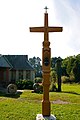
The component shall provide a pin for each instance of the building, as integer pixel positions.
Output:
(15, 67)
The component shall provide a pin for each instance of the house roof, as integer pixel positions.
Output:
(19, 62)
(3, 62)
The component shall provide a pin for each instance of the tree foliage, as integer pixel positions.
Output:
(35, 62)
(76, 70)
(70, 67)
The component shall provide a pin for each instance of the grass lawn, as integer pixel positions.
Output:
(25, 106)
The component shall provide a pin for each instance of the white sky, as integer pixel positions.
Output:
(16, 16)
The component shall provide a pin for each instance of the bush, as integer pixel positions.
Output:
(72, 79)
(38, 88)
(24, 84)
(53, 87)
(38, 80)
(65, 79)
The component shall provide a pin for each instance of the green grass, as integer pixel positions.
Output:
(27, 105)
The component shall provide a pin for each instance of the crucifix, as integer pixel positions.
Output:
(46, 55)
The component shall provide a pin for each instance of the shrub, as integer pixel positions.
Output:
(24, 84)
(53, 87)
(72, 79)
(65, 79)
(38, 80)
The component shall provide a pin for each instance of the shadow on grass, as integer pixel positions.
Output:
(17, 95)
(70, 92)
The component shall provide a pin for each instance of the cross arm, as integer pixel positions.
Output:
(36, 29)
(55, 29)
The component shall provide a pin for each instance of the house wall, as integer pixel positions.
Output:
(4, 75)
(1, 75)
(32, 75)
(15, 75)
(9, 76)
(24, 75)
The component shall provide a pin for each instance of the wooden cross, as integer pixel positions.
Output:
(46, 55)
(46, 29)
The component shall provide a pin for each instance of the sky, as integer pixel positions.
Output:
(16, 16)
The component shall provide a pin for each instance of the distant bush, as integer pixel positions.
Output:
(38, 80)
(72, 79)
(65, 79)
(24, 84)
(53, 87)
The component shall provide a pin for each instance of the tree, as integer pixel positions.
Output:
(53, 62)
(67, 65)
(72, 67)
(70, 64)
(76, 70)
(53, 75)
(59, 72)
(35, 62)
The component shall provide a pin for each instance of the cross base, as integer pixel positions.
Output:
(41, 117)
(46, 108)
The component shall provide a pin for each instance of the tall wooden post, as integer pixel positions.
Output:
(46, 55)
(59, 72)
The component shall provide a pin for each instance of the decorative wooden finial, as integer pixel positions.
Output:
(46, 9)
